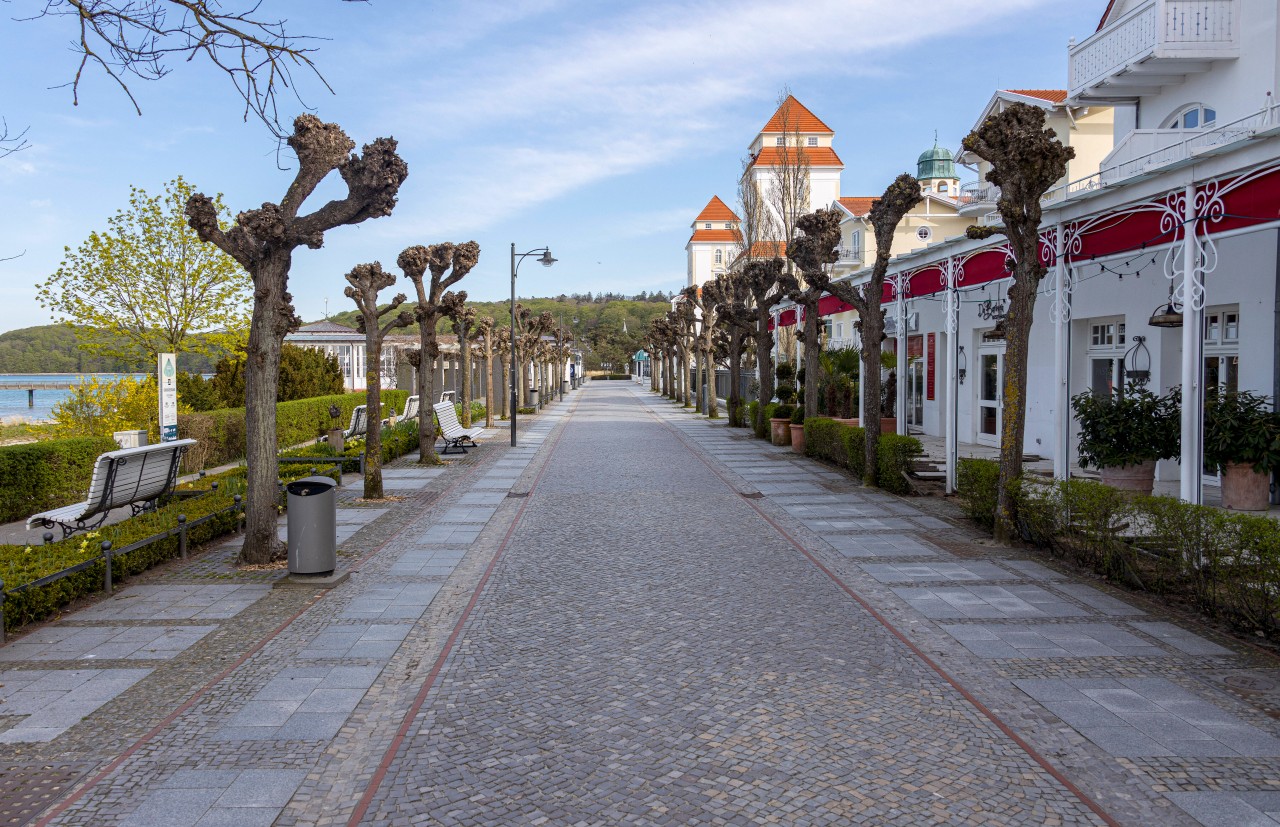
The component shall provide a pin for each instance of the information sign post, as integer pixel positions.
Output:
(167, 375)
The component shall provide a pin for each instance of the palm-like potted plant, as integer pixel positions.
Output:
(1124, 434)
(797, 429)
(1242, 443)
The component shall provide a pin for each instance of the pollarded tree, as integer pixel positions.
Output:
(704, 347)
(814, 249)
(485, 338)
(768, 285)
(885, 215)
(151, 284)
(263, 241)
(416, 262)
(1026, 159)
(734, 313)
(365, 281)
(463, 321)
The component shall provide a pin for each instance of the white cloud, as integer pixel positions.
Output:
(569, 108)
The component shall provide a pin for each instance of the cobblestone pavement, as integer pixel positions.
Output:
(637, 616)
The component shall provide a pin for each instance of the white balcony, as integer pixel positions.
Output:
(850, 255)
(1156, 44)
(840, 344)
(977, 197)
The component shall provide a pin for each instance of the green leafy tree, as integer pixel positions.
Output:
(304, 373)
(196, 392)
(150, 282)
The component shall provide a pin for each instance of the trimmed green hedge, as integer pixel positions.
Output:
(398, 440)
(220, 433)
(23, 564)
(49, 474)
(846, 446)
(1227, 563)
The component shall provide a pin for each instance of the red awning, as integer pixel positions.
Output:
(830, 305)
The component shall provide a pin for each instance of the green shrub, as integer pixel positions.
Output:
(797, 416)
(397, 440)
(220, 434)
(529, 411)
(38, 476)
(304, 373)
(781, 411)
(846, 446)
(976, 483)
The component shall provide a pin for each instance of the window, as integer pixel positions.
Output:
(728, 225)
(779, 141)
(719, 256)
(1195, 116)
(826, 329)
(811, 141)
(924, 233)
(1222, 326)
(707, 225)
(1106, 356)
(942, 187)
(1106, 334)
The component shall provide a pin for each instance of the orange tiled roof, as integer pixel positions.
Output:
(1051, 95)
(716, 210)
(715, 235)
(858, 205)
(817, 156)
(800, 119)
(766, 249)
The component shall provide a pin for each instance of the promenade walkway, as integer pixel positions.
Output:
(637, 617)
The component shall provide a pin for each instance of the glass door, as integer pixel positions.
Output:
(990, 384)
(915, 393)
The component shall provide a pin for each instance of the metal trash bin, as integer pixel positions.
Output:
(564, 386)
(313, 525)
(533, 397)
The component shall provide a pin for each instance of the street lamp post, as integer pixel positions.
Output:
(546, 261)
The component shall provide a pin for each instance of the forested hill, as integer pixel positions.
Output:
(600, 321)
(52, 349)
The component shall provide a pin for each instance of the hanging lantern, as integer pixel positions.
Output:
(1137, 362)
(962, 363)
(1166, 315)
(995, 334)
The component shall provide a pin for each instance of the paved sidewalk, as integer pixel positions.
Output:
(642, 617)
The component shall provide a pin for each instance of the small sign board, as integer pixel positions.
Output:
(167, 380)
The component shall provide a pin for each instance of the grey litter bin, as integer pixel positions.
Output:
(564, 386)
(533, 397)
(313, 525)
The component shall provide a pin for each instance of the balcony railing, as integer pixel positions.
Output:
(840, 344)
(978, 195)
(1147, 151)
(850, 254)
(1158, 32)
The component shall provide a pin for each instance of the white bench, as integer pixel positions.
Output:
(136, 477)
(454, 435)
(410, 409)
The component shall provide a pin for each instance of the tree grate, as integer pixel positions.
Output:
(26, 790)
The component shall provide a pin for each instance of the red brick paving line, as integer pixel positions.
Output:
(115, 764)
(1053, 771)
(428, 684)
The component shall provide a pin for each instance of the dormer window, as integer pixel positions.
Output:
(942, 187)
(1195, 116)
(781, 141)
(707, 226)
(728, 225)
(811, 141)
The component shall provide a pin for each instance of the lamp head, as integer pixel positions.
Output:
(546, 259)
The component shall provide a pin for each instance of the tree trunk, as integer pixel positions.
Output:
(1014, 404)
(764, 356)
(872, 330)
(812, 349)
(686, 374)
(426, 395)
(464, 353)
(713, 403)
(261, 382)
(735, 371)
(488, 387)
(373, 412)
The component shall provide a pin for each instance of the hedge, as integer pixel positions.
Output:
(398, 440)
(1228, 564)
(49, 474)
(20, 565)
(220, 433)
(845, 446)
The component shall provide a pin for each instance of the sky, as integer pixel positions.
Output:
(599, 129)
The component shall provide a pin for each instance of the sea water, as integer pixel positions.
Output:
(13, 393)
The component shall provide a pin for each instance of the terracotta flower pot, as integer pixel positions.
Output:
(1140, 477)
(797, 438)
(1244, 489)
(780, 431)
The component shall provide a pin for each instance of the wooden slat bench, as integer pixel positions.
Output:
(135, 477)
(454, 435)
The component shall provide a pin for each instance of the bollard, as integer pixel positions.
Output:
(106, 575)
(213, 486)
(239, 511)
(202, 474)
(48, 537)
(182, 536)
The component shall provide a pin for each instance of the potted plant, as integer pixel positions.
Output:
(1242, 443)
(780, 424)
(1124, 434)
(797, 429)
